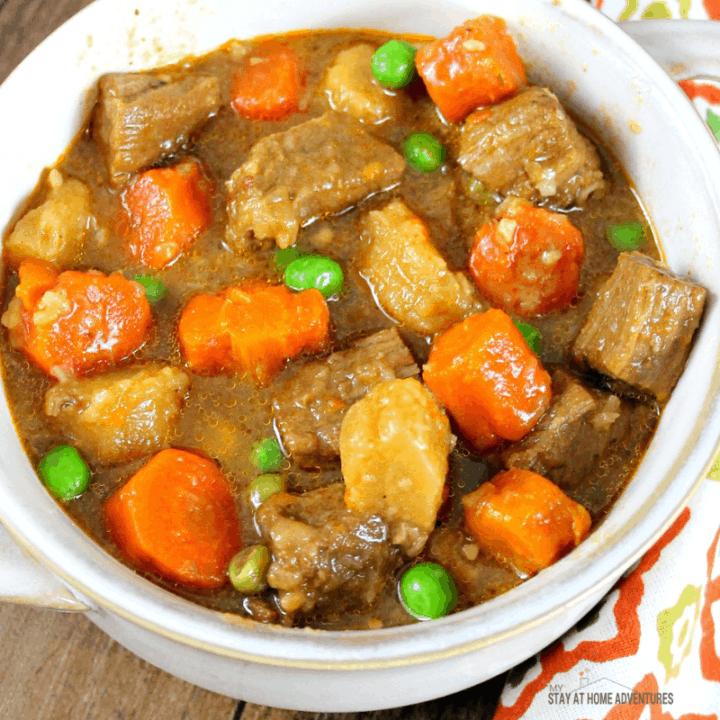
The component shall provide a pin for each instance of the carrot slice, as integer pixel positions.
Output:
(36, 278)
(167, 208)
(252, 329)
(525, 520)
(476, 64)
(488, 379)
(270, 83)
(528, 259)
(205, 343)
(82, 321)
(176, 516)
(298, 323)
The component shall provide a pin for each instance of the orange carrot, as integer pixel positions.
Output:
(488, 379)
(36, 278)
(252, 329)
(528, 259)
(476, 64)
(176, 516)
(270, 83)
(81, 321)
(525, 520)
(205, 343)
(166, 209)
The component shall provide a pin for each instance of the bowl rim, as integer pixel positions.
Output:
(155, 609)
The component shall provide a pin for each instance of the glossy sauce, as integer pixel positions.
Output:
(223, 416)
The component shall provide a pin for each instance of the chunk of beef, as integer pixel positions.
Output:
(120, 416)
(323, 553)
(320, 167)
(352, 88)
(142, 117)
(640, 327)
(394, 447)
(409, 278)
(310, 406)
(56, 230)
(477, 575)
(573, 434)
(529, 147)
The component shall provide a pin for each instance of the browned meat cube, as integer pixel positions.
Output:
(309, 407)
(640, 327)
(408, 276)
(56, 230)
(573, 434)
(351, 87)
(530, 148)
(320, 167)
(120, 416)
(142, 117)
(479, 576)
(394, 447)
(324, 553)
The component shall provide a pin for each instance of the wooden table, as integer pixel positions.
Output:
(55, 666)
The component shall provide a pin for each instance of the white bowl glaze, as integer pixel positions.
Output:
(672, 160)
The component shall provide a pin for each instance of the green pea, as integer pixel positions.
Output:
(626, 236)
(315, 271)
(533, 337)
(393, 64)
(154, 287)
(64, 472)
(266, 455)
(423, 152)
(427, 591)
(248, 569)
(285, 256)
(263, 487)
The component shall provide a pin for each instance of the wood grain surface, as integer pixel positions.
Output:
(56, 666)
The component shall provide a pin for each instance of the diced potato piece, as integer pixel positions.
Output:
(394, 447)
(56, 230)
(351, 87)
(408, 276)
(525, 520)
(120, 416)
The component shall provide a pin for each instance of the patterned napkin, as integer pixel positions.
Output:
(649, 650)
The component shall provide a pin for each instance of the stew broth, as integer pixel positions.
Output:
(223, 416)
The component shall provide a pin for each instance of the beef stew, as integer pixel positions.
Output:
(329, 179)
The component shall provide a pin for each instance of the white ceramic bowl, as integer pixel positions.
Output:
(671, 158)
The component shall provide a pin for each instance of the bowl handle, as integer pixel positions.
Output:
(23, 580)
